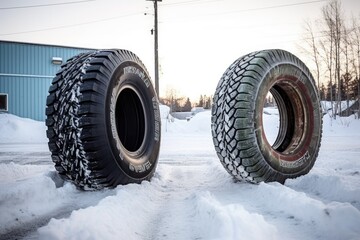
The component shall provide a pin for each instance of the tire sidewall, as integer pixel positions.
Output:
(140, 164)
(303, 158)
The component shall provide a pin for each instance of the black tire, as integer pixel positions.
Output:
(237, 126)
(103, 120)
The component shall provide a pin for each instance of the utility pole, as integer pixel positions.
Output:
(156, 46)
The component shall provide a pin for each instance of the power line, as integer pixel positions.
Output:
(235, 11)
(241, 10)
(72, 25)
(189, 2)
(276, 6)
(45, 5)
(112, 18)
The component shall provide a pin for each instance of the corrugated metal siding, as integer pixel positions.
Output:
(27, 94)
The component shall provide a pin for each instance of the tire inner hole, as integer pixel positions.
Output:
(271, 119)
(283, 119)
(130, 119)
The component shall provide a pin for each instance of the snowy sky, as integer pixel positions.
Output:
(198, 39)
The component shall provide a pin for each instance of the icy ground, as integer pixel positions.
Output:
(190, 197)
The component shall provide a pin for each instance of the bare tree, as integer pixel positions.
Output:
(172, 99)
(327, 46)
(334, 23)
(355, 37)
(311, 49)
(335, 54)
(346, 77)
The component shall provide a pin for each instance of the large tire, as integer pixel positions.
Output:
(103, 120)
(237, 124)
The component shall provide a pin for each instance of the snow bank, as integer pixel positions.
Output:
(123, 216)
(27, 196)
(233, 221)
(14, 129)
(341, 126)
(330, 221)
(332, 187)
(31, 194)
(200, 123)
(164, 111)
(326, 105)
(14, 172)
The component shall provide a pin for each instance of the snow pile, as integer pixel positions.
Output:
(14, 129)
(30, 194)
(326, 105)
(200, 123)
(330, 221)
(113, 217)
(164, 111)
(341, 126)
(230, 221)
(33, 195)
(271, 111)
(330, 188)
(15, 172)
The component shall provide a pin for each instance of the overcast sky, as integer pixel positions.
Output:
(198, 39)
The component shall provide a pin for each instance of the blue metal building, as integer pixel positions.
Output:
(26, 72)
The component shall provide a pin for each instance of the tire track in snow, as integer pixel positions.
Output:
(175, 205)
(178, 204)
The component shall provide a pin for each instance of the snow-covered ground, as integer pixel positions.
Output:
(190, 197)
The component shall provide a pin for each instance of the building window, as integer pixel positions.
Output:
(3, 102)
(56, 60)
